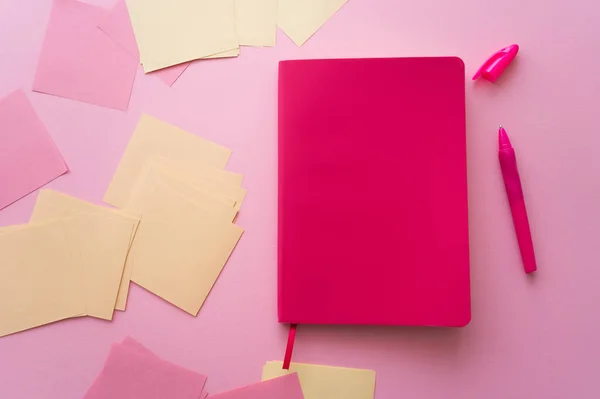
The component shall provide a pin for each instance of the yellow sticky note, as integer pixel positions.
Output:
(153, 137)
(256, 22)
(176, 31)
(302, 19)
(154, 179)
(52, 204)
(39, 282)
(324, 382)
(180, 250)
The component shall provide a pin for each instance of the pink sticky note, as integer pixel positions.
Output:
(80, 62)
(132, 371)
(117, 25)
(28, 157)
(286, 387)
(143, 351)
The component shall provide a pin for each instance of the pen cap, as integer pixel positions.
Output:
(497, 63)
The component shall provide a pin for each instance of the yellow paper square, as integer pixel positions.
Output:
(324, 382)
(180, 250)
(300, 19)
(176, 31)
(155, 179)
(39, 282)
(256, 22)
(153, 137)
(52, 204)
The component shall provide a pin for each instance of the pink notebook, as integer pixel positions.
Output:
(373, 192)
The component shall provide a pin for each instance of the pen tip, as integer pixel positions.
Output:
(503, 140)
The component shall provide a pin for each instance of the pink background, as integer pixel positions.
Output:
(531, 337)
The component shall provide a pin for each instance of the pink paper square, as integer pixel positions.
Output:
(117, 25)
(286, 387)
(80, 62)
(132, 371)
(28, 157)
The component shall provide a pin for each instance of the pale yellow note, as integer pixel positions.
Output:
(153, 137)
(176, 31)
(153, 179)
(39, 282)
(180, 250)
(256, 22)
(324, 382)
(300, 19)
(51, 204)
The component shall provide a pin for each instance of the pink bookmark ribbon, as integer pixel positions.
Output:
(287, 359)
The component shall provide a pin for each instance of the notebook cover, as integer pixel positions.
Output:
(373, 192)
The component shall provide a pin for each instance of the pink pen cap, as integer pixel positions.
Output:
(497, 63)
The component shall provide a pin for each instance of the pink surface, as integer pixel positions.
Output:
(529, 337)
(287, 387)
(373, 225)
(80, 62)
(132, 371)
(28, 157)
(117, 26)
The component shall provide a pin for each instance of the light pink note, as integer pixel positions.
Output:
(287, 387)
(191, 376)
(28, 157)
(131, 371)
(80, 62)
(117, 26)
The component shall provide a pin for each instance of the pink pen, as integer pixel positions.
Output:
(512, 182)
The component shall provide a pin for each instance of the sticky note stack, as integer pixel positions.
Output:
(132, 371)
(172, 235)
(175, 182)
(91, 54)
(66, 263)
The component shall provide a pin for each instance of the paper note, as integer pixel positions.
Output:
(256, 22)
(324, 382)
(153, 137)
(132, 371)
(80, 62)
(285, 387)
(39, 282)
(302, 19)
(28, 157)
(154, 180)
(51, 203)
(180, 249)
(185, 377)
(177, 31)
(102, 240)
